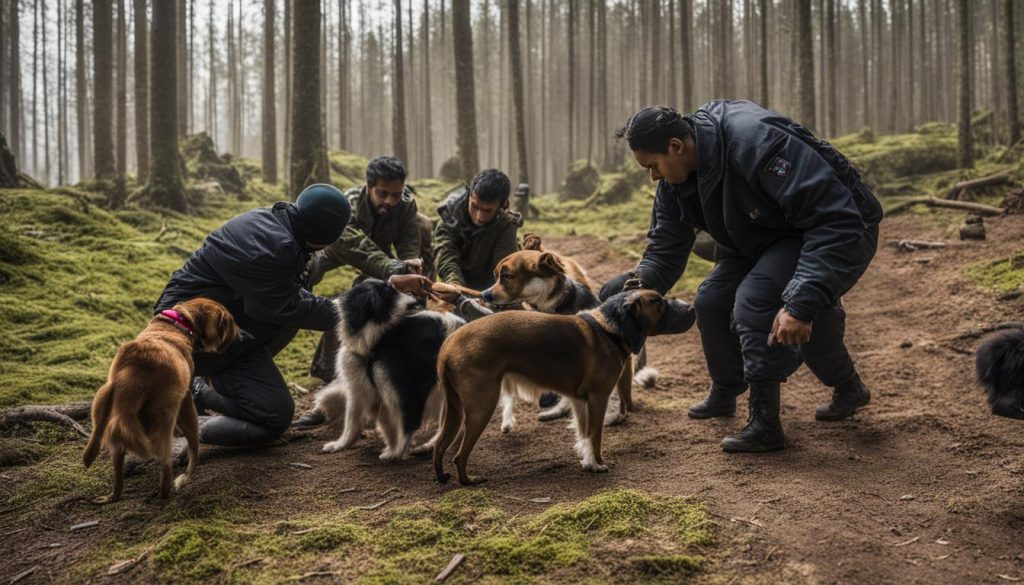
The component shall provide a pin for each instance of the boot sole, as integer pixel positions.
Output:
(707, 415)
(752, 448)
(836, 417)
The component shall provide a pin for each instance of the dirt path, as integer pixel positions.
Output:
(924, 486)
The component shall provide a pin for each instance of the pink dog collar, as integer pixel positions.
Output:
(177, 319)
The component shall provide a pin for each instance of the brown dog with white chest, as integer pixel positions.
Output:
(553, 283)
(579, 356)
(146, 396)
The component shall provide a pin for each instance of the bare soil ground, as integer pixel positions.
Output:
(922, 486)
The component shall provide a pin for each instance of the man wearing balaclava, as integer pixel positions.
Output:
(257, 266)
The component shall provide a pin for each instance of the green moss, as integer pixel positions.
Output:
(61, 477)
(667, 565)
(330, 537)
(347, 169)
(197, 550)
(1003, 275)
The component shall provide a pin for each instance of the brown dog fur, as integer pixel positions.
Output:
(551, 352)
(146, 396)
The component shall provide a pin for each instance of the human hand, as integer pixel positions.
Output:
(788, 330)
(412, 284)
(446, 292)
(414, 266)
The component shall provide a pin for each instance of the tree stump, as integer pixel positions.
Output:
(973, 228)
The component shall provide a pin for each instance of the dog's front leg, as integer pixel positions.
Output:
(579, 424)
(508, 412)
(353, 427)
(596, 406)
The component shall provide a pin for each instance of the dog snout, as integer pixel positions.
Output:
(677, 317)
(487, 296)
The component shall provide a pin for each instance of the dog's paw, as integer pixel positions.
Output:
(334, 446)
(581, 448)
(391, 456)
(103, 500)
(595, 467)
(612, 419)
(472, 480)
(443, 477)
(180, 481)
(506, 427)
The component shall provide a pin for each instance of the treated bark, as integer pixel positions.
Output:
(465, 100)
(269, 106)
(308, 160)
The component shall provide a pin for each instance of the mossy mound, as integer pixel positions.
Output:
(1003, 275)
(881, 159)
(347, 170)
(580, 182)
(451, 170)
(204, 165)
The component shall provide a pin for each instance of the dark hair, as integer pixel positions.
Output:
(386, 168)
(491, 186)
(650, 129)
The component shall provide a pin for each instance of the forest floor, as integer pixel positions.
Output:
(922, 486)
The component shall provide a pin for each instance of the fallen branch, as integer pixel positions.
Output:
(452, 565)
(906, 542)
(40, 413)
(962, 186)
(24, 574)
(380, 503)
(314, 574)
(978, 208)
(984, 331)
(911, 245)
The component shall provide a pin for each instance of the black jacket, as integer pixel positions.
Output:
(762, 177)
(254, 266)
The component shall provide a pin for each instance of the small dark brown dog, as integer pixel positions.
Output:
(579, 356)
(146, 396)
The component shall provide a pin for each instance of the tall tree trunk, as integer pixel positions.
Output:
(182, 59)
(103, 102)
(3, 70)
(212, 115)
(288, 80)
(965, 156)
(269, 105)
(428, 125)
(832, 67)
(398, 134)
(865, 89)
(35, 88)
(81, 98)
(344, 75)
(805, 63)
(62, 102)
(763, 54)
(308, 160)
(165, 186)
(686, 34)
(122, 105)
(14, 119)
(570, 25)
(465, 101)
(1010, 74)
(46, 97)
(141, 92)
(517, 90)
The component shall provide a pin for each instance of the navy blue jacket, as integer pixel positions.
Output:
(254, 266)
(762, 177)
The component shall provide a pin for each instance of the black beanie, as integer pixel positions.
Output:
(323, 212)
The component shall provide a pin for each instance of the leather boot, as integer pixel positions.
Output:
(764, 430)
(846, 399)
(309, 420)
(720, 402)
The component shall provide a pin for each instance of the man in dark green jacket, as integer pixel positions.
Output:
(476, 231)
(384, 236)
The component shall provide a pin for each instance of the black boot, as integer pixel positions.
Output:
(846, 399)
(311, 419)
(548, 399)
(764, 430)
(720, 402)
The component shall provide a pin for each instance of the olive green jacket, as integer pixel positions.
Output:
(376, 245)
(466, 254)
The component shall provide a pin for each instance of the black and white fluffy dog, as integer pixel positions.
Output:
(386, 370)
(1000, 368)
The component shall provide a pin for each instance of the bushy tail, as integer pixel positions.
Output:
(646, 378)
(1000, 365)
(126, 430)
(450, 421)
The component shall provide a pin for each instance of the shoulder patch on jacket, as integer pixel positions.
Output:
(779, 167)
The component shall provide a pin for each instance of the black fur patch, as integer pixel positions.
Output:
(618, 314)
(369, 301)
(1000, 370)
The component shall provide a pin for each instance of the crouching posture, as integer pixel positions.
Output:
(146, 396)
(386, 369)
(578, 356)
(1000, 368)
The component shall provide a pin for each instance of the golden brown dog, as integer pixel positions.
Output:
(146, 396)
(552, 283)
(579, 356)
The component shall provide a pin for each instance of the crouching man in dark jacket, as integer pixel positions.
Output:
(795, 229)
(257, 266)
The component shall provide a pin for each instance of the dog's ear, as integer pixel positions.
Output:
(227, 328)
(214, 326)
(550, 263)
(531, 242)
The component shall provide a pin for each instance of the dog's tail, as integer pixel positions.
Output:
(125, 428)
(449, 422)
(100, 418)
(646, 377)
(1000, 366)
